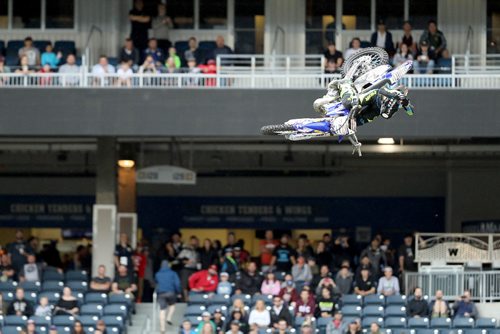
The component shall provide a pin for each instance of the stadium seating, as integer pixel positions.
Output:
(351, 311)
(2, 47)
(395, 311)
(66, 47)
(12, 329)
(63, 320)
(8, 286)
(53, 297)
(366, 322)
(96, 297)
(246, 298)
(223, 308)
(88, 320)
(92, 309)
(418, 323)
(41, 45)
(31, 286)
(440, 323)
(374, 300)
(395, 300)
(373, 311)
(462, 323)
(13, 47)
(195, 310)
(80, 286)
(220, 300)
(486, 323)
(207, 45)
(355, 300)
(42, 321)
(52, 275)
(395, 322)
(268, 299)
(14, 320)
(53, 286)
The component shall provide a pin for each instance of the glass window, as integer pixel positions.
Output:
(60, 14)
(182, 13)
(27, 14)
(249, 26)
(421, 11)
(213, 14)
(392, 12)
(493, 26)
(4, 14)
(320, 25)
(357, 14)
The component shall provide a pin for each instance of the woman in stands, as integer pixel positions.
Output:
(67, 304)
(270, 286)
(77, 328)
(238, 304)
(260, 316)
(236, 315)
(207, 329)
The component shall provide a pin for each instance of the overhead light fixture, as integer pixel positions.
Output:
(125, 163)
(386, 141)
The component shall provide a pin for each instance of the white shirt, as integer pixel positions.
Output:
(349, 52)
(381, 39)
(98, 69)
(125, 74)
(262, 319)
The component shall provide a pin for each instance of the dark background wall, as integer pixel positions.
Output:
(226, 112)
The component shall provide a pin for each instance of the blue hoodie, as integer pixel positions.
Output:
(167, 280)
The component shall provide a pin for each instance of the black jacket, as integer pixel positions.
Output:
(22, 305)
(249, 284)
(284, 314)
(417, 307)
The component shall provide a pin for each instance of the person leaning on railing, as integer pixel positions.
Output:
(71, 71)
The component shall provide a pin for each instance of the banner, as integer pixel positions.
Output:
(166, 175)
(481, 226)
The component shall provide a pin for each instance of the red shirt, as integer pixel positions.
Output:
(140, 264)
(204, 281)
(267, 249)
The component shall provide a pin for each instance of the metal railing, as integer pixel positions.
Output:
(476, 64)
(270, 64)
(484, 286)
(228, 81)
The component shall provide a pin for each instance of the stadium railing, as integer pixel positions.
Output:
(475, 64)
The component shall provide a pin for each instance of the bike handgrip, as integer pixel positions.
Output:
(376, 86)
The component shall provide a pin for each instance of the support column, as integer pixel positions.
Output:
(104, 213)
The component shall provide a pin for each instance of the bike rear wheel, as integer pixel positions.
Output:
(276, 129)
(379, 57)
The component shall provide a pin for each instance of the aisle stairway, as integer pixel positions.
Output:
(145, 310)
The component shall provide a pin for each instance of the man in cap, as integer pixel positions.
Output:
(388, 285)
(168, 287)
(204, 280)
(235, 328)
(206, 318)
(218, 321)
(224, 287)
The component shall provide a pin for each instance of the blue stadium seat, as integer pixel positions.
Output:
(80, 286)
(374, 299)
(299, 321)
(219, 300)
(2, 47)
(63, 329)
(113, 330)
(116, 309)
(440, 323)
(32, 297)
(460, 322)
(120, 298)
(395, 300)
(42, 329)
(63, 320)
(373, 311)
(348, 319)
(207, 45)
(113, 61)
(14, 320)
(1, 321)
(268, 299)
(11, 60)
(13, 47)
(79, 297)
(224, 309)
(194, 310)
(395, 311)
(194, 320)
(395, 322)
(181, 47)
(11, 329)
(351, 311)
(424, 331)
(76, 275)
(394, 330)
(66, 47)
(486, 323)
(41, 45)
(52, 275)
(246, 298)
(418, 323)
(52, 296)
(88, 320)
(367, 321)
(323, 322)
(8, 297)
(31, 286)
(280, 275)
(473, 331)
(114, 321)
(54, 286)
(96, 297)
(8, 286)
(356, 300)
(41, 321)
(92, 309)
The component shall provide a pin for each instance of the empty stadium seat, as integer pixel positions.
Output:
(116, 309)
(63, 329)
(52, 275)
(473, 331)
(113, 330)
(224, 309)
(76, 275)
(79, 297)
(52, 296)
(42, 329)
(42, 321)
(12, 329)
(8, 297)
(66, 47)
(367, 321)
(440, 323)
(323, 322)
(351, 311)
(11, 60)
(15, 320)
(219, 300)
(460, 322)
(395, 311)
(486, 323)
(207, 45)
(92, 309)
(31, 286)
(373, 311)
(356, 300)
(268, 299)
(246, 298)
(41, 45)
(395, 322)
(374, 299)
(418, 323)
(194, 310)
(88, 320)
(13, 47)
(80, 286)
(96, 297)
(114, 321)
(395, 300)
(8, 286)
(2, 47)
(299, 321)
(63, 320)
(120, 298)
(32, 297)
(53, 286)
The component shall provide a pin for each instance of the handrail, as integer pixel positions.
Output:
(275, 40)
(155, 310)
(470, 33)
(86, 48)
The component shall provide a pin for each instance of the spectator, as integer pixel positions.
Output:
(141, 262)
(331, 67)
(355, 46)
(161, 25)
(301, 271)
(101, 326)
(170, 66)
(283, 256)
(218, 321)
(337, 325)
(364, 284)
(353, 328)
(288, 292)
(50, 57)
(194, 51)
(389, 252)
(140, 23)
(7, 272)
(100, 69)
(306, 328)
(438, 308)
(192, 69)
(417, 307)
(172, 53)
(327, 283)
(177, 242)
(205, 320)
(3, 69)
(30, 52)
(224, 287)
(123, 282)
(240, 253)
(267, 246)
(408, 39)
(444, 63)
(303, 248)
(323, 257)
(71, 69)
(24, 68)
(208, 255)
(189, 259)
(239, 304)
(382, 38)
(342, 251)
(31, 271)
(149, 66)
(220, 49)
(344, 279)
(231, 242)
(204, 280)
(125, 79)
(168, 287)
(281, 327)
(101, 282)
(375, 328)
(20, 306)
(425, 59)
(305, 305)
(376, 256)
(129, 53)
(157, 53)
(19, 249)
(123, 251)
(270, 285)
(249, 281)
(236, 315)
(260, 316)
(402, 56)
(434, 38)
(67, 304)
(279, 312)
(78, 328)
(43, 309)
(464, 306)
(53, 330)
(388, 285)
(229, 264)
(187, 328)
(326, 304)
(210, 68)
(30, 327)
(45, 80)
(324, 272)
(332, 55)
